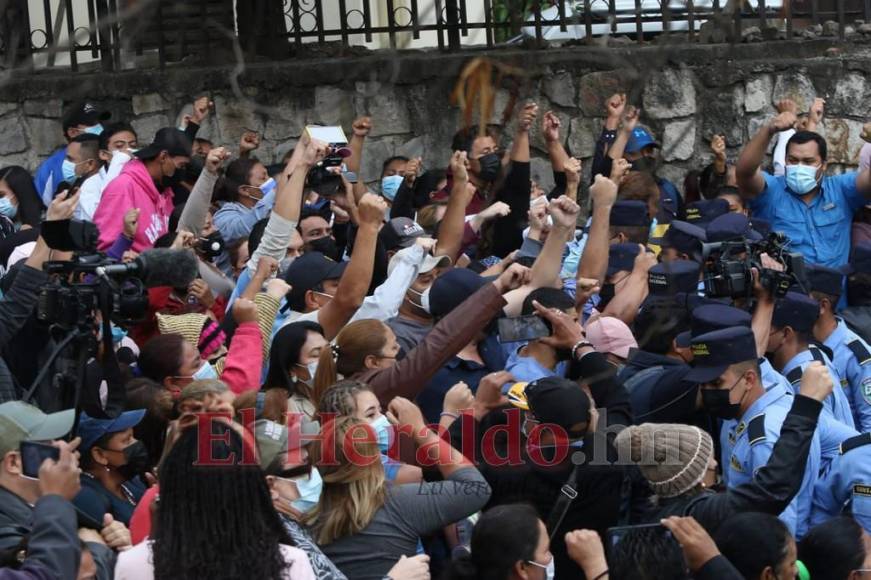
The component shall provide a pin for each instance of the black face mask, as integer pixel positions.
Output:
(491, 165)
(170, 181)
(326, 246)
(606, 294)
(646, 164)
(212, 246)
(716, 402)
(135, 460)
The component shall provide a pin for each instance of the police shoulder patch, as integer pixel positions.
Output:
(735, 464)
(756, 429)
(794, 376)
(854, 442)
(866, 390)
(860, 351)
(862, 489)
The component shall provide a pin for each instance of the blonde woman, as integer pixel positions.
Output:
(362, 523)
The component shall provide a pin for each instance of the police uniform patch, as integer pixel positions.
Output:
(860, 351)
(866, 390)
(735, 464)
(860, 489)
(756, 429)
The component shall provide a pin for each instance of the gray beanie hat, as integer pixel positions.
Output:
(672, 457)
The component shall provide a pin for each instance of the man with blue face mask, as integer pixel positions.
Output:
(80, 119)
(812, 208)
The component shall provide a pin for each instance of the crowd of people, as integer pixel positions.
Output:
(214, 366)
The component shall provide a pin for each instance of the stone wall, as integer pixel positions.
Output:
(687, 93)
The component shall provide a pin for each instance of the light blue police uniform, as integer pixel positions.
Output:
(836, 402)
(747, 444)
(830, 432)
(847, 485)
(853, 361)
(817, 230)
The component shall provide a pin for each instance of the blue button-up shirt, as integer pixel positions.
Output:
(855, 374)
(820, 229)
(745, 457)
(847, 484)
(836, 402)
(830, 432)
(526, 369)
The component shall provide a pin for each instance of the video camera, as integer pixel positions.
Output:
(727, 267)
(322, 178)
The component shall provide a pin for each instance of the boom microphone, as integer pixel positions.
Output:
(158, 267)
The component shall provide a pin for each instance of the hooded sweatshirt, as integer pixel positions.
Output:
(133, 188)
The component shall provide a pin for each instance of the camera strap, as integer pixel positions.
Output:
(568, 493)
(115, 394)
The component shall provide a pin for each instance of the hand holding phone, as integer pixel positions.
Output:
(522, 328)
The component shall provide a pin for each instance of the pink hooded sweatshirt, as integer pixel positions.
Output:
(133, 188)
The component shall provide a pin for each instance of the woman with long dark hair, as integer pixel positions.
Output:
(215, 519)
(248, 194)
(20, 210)
(293, 360)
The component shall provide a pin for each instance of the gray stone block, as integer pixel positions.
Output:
(146, 127)
(595, 88)
(757, 94)
(13, 138)
(51, 108)
(583, 134)
(795, 86)
(46, 135)
(560, 89)
(850, 97)
(149, 103)
(679, 140)
(386, 106)
(669, 94)
(333, 106)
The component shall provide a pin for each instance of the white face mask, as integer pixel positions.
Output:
(549, 570)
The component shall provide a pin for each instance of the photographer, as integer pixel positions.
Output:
(17, 304)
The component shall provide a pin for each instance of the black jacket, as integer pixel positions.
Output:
(52, 525)
(774, 485)
(15, 309)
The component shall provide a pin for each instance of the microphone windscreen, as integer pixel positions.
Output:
(166, 267)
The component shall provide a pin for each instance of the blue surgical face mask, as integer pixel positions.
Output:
(118, 334)
(205, 372)
(390, 186)
(7, 208)
(68, 169)
(309, 489)
(95, 129)
(267, 186)
(382, 428)
(801, 179)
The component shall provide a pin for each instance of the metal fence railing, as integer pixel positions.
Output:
(109, 34)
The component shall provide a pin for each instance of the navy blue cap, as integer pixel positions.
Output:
(798, 311)
(703, 212)
(309, 270)
(731, 226)
(451, 288)
(715, 351)
(639, 139)
(861, 260)
(710, 317)
(668, 278)
(90, 429)
(558, 401)
(621, 257)
(826, 280)
(684, 237)
(760, 225)
(630, 213)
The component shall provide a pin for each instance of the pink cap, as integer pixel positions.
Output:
(609, 334)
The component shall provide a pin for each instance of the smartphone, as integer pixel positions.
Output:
(615, 535)
(32, 456)
(522, 328)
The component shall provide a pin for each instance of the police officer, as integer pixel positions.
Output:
(629, 222)
(682, 241)
(852, 355)
(847, 484)
(674, 277)
(858, 312)
(726, 367)
(790, 348)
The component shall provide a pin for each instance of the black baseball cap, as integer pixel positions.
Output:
(558, 401)
(629, 213)
(621, 257)
(715, 351)
(84, 113)
(669, 278)
(451, 288)
(798, 311)
(400, 233)
(168, 139)
(309, 270)
(712, 317)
